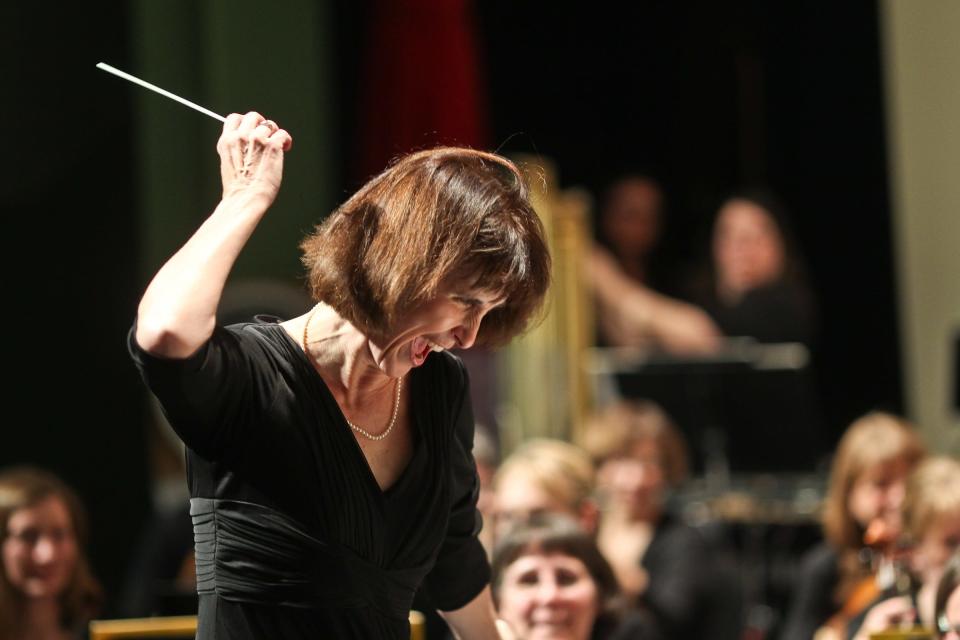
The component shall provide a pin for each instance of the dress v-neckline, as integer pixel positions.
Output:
(416, 434)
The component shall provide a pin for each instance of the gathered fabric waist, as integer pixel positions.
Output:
(248, 552)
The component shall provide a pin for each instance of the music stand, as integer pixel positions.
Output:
(748, 408)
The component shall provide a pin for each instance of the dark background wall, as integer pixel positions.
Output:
(72, 400)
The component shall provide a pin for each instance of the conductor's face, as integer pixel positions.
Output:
(449, 321)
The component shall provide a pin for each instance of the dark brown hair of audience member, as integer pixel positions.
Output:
(615, 430)
(794, 269)
(630, 223)
(441, 217)
(871, 440)
(25, 487)
(549, 533)
(949, 582)
(752, 255)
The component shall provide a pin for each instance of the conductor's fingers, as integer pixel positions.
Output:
(231, 122)
(230, 126)
(249, 122)
(263, 131)
(282, 138)
(268, 126)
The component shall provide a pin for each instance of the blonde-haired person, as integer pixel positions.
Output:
(544, 476)
(664, 566)
(931, 532)
(47, 590)
(330, 465)
(867, 483)
(947, 611)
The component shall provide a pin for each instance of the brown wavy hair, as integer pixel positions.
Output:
(24, 487)
(433, 218)
(873, 439)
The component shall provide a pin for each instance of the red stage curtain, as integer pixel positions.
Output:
(421, 84)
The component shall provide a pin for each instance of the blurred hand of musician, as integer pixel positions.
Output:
(632, 315)
(891, 613)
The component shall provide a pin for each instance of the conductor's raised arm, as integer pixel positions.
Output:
(177, 313)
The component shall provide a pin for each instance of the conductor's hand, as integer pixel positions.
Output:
(251, 152)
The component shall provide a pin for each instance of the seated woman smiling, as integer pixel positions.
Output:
(47, 591)
(550, 582)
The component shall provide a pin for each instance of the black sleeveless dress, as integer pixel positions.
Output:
(293, 536)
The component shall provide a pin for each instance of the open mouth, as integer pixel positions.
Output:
(421, 348)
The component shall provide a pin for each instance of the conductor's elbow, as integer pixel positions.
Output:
(165, 336)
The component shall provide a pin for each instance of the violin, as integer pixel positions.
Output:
(883, 553)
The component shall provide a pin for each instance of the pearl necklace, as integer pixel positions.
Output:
(396, 399)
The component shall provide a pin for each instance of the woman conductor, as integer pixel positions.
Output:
(329, 457)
